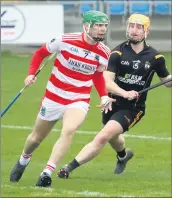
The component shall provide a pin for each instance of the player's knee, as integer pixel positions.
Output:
(101, 139)
(115, 137)
(67, 133)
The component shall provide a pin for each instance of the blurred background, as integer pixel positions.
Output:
(28, 23)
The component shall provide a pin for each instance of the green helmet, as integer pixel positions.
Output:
(92, 17)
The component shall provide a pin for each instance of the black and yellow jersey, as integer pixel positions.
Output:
(135, 71)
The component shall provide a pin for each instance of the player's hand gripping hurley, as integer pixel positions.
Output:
(21, 91)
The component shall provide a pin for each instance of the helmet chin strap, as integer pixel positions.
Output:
(133, 41)
(94, 39)
(87, 33)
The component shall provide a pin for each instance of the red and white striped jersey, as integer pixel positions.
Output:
(74, 68)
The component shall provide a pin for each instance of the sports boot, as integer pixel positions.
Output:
(121, 164)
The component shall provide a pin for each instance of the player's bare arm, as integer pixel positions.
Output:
(169, 84)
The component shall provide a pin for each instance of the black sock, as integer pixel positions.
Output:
(122, 153)
(73, 165)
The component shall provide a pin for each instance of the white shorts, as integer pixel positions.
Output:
(51, 111)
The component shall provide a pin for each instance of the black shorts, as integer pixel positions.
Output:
(126, 117)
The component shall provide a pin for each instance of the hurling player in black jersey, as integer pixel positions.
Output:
(131, 67)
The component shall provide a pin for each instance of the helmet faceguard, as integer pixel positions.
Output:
(138, 19)
(94, 20)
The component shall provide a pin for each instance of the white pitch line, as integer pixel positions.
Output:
(87, 193)
(47, 192)
(90, 132)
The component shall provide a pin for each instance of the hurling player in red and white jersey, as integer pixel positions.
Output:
(80, 61)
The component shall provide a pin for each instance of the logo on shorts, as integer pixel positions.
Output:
(52, 40)
(43, 110)
(128, 120)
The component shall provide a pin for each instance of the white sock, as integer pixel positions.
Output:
(25, 158)
(49, 168)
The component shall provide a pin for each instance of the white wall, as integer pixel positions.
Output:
(31, 23)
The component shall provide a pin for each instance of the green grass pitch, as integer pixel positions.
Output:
(148, 174)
